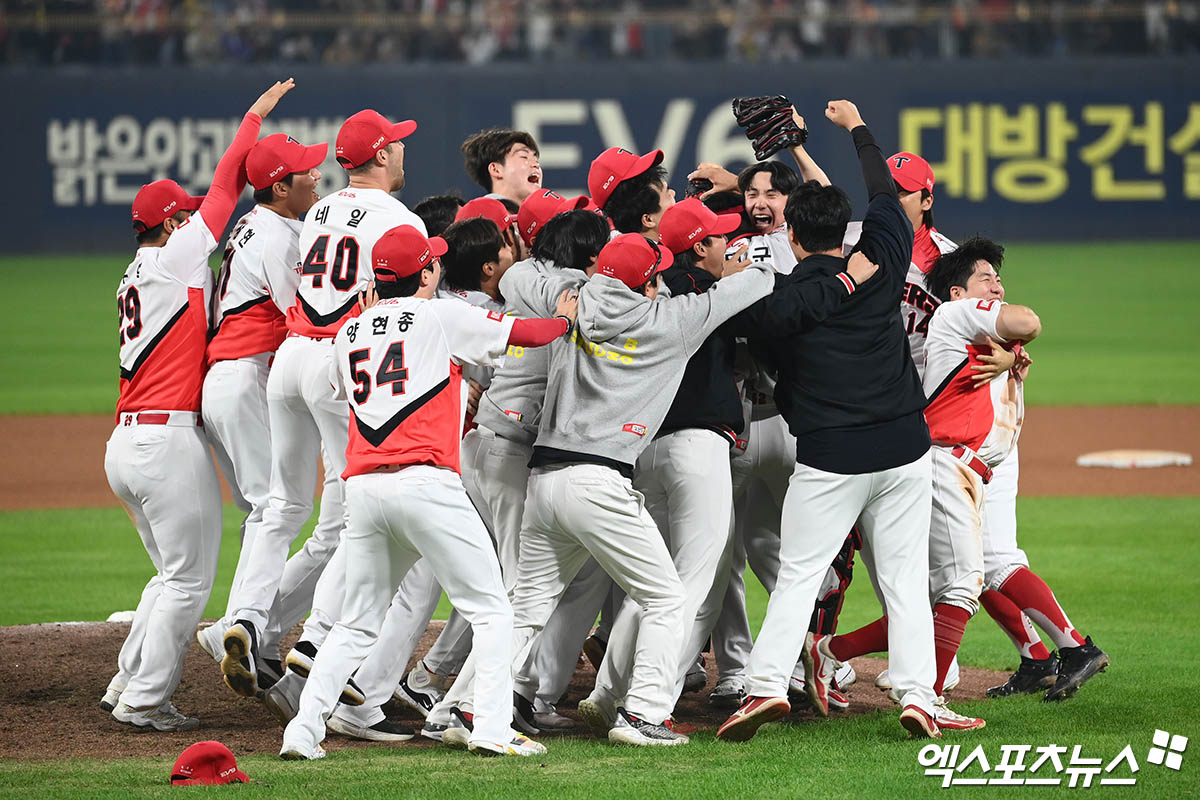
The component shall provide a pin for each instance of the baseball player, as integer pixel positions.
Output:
(438, 211)
(684, 472)
(256, 286)
(400, 366)
(843, 383)
(157, 459)
(335, 243)
(631, 190)
(504, 163)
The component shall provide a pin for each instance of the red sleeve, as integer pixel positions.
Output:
(229, 179)
(537, 332)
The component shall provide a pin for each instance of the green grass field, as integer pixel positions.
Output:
(1112, 312)
(1119, 325)
(1126, 569)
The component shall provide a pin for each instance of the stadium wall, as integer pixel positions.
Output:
(1056, 149)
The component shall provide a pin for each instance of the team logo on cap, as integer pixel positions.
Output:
(170, 205)
(421, 259)
(900, 161)
(378, 141)
(696, 232)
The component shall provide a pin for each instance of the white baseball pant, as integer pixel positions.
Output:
(574, 511)
(1001, 553)
(955, 533)
(760, 476)
(164, 476)
(892, 509)
(684, 477)
(397, 518)
(304, 416)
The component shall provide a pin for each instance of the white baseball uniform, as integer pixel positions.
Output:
(335, 243)
(157, 459)
(400, 365)
(973, 429)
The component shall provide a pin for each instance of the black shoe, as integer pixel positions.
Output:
(464, 719)
(523, 716)
(241, 652)
(1034, 675)
(383, 731)
(270, 670)
(631, 729)
(1076, 667)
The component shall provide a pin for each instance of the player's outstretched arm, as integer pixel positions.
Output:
(230, 178)
(1018, 323)
(809, 169)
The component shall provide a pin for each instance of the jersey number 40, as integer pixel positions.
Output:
(391, 370)
(344, 272)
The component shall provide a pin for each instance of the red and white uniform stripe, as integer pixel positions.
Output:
(162, 314)
(335, 251)
(400, 365)
(987, 419)
(257, 285)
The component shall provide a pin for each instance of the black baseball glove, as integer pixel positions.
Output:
(768, 123)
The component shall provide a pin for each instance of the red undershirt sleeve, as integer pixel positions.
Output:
(229, 179)
(537, 332)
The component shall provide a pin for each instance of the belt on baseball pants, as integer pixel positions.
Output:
(178, 419)
(974, 463)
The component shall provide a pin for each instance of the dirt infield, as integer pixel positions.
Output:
(56, 674)
(62, 458)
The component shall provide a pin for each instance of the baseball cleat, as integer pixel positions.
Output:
(165, 718)
(883, 681)
(418, 691)
(212, 640)
(522, 717)
(238, 664)
(519, 746)
(1077, 665)
(837, 700)
(729, 693)
(845, 677)
(301, 657)
(297, 752)
(300, 660)
(696, 678)
(270, 670)
(593, 649)
(599, 715)
(632, 729)
(434, 731)
(819, 668)
(1034, 675)
(948, 720)
(383, 731)
(110, 700)
(754, 713)
(551, 720)
(282, 700)
(462, 725)
(919, 724)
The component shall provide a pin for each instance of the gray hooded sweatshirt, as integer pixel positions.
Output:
(512, 405)
(613, 380)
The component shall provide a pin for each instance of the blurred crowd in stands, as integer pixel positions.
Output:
(483, 31)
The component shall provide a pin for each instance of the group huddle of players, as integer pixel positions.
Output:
(556, 409)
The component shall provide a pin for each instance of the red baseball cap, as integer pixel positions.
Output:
(632, 259)
(689, 221)
(404, 251)
(157, 201)
(912, 172)
(278, 156)
(365, 134)
(615, 165)
(206, 763)
(488, 208)
(541, 207)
